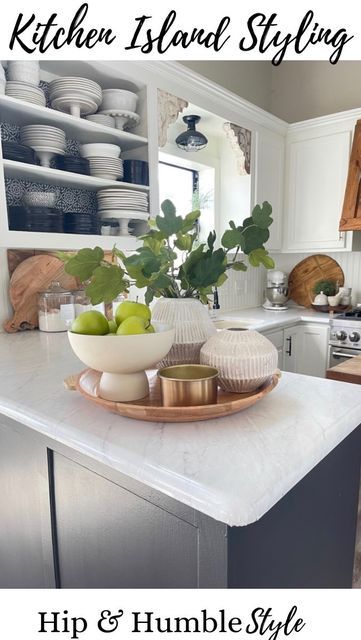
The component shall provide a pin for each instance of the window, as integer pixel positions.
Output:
(179, 185)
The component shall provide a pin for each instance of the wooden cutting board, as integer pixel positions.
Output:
(29, 277)
(306, 273)
(349, 371)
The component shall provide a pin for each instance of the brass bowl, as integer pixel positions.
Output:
(188, 385)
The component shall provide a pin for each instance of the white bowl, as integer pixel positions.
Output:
(40, 198)
(100, 149)
(119, 99)
(123, 360)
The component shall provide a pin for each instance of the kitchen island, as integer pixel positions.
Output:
(265, 498)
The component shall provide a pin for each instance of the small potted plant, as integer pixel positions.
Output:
(178, 270)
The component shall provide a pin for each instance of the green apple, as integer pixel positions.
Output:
(150, 329)
(91, 323)
(130, 308)
(112, 326)
(131, 326)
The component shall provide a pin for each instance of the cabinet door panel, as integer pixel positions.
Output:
(313, 351)
(269, 175)
(315, 190)
(26, 559)
(109, 537)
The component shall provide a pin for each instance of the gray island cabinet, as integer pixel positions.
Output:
(265, 498)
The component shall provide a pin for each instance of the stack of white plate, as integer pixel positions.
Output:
(46, 141)
(123, 204)
(106, 168)
(26, 92)
(78, 96)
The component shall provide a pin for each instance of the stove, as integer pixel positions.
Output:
(346, 329)
(345, 336)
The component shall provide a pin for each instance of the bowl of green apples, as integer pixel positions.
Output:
(122, 349)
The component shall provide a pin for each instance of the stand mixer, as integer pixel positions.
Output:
(276, 291)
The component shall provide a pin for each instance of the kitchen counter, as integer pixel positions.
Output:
(260, 319)
(202, 464)
(349, 371)
(234, 470)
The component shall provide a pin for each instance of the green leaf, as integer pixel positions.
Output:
(106, 284)
(193, 258)
(184, 242)
(211, 239)
(232, 225)
(169, 224)
(238, 266)
(231, 238)
(247, 222)
(84, 263)
(144, 261)
(190, 219)
(207, 270)
(154, 243)
(221, 280)
(168, 208)
(64, 256)
(253, 237)
(149, 295)
(162, 282)
(118, 254)
(262, 215)
(260, 256)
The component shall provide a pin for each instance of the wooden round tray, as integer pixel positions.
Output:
(150, 408)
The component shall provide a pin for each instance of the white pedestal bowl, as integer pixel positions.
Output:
(123, 360)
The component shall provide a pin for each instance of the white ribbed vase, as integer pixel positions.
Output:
(244, 359)
(192, 324)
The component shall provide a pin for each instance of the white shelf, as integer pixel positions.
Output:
(65, 241)
(36, 173)
(22, 113)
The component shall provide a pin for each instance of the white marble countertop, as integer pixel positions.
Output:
(233, 469)
(261, 319)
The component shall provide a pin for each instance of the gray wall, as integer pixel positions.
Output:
(302, 90)
(292, 91)
(250, 80)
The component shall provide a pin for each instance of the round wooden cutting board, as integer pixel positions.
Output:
(306, 273)
(29, 277)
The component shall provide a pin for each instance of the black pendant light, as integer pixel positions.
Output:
(191, 140)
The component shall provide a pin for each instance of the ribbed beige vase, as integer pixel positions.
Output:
(192, 324)
(244, 359)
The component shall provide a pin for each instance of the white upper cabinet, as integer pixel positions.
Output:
(317, 160)
(269, 180)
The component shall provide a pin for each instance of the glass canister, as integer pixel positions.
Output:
(116, 302)
(83, 303)
(55, 308)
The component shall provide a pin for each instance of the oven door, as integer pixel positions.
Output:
(341, 354)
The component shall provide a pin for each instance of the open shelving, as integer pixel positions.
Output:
(22, 113)
(38, 174)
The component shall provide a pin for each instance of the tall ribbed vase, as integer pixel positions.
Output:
(192, 324)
